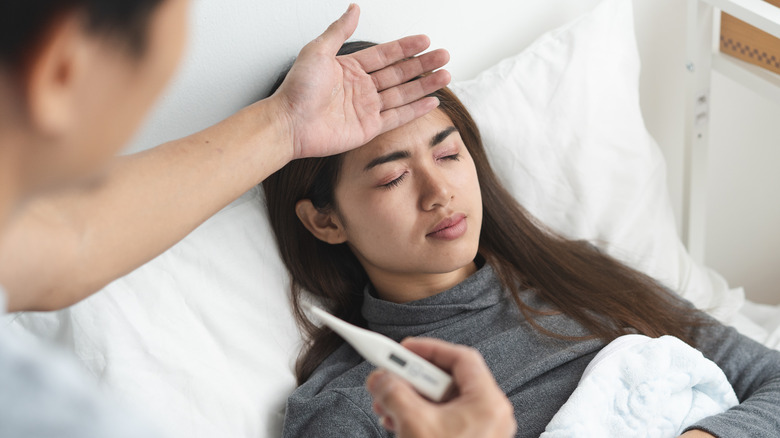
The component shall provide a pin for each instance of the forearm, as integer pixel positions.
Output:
(754, 372)
(146, 203)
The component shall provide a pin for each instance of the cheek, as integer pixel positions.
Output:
(467, 182)
(375, 219)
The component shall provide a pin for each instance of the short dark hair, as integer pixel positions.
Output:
(24, 22)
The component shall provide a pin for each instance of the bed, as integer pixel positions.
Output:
(202, 339)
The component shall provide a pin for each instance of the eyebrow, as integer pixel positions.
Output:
(440, 137)
(400, 155)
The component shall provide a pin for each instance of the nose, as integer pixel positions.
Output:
(435, 190)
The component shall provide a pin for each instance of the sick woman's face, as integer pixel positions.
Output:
(411, 205)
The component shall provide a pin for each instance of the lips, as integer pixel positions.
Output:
(450, 228)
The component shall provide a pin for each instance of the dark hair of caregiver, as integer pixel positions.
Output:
(24, 22)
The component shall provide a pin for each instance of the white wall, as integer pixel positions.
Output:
(743, 229)
(238, 47)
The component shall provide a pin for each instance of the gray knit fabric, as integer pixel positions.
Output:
(536, 372)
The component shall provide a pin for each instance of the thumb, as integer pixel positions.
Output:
(396, 398)
(337, 33)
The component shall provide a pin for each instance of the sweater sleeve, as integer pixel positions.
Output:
(330, 414)
(753, 371)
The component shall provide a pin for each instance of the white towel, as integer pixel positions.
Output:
(643, 387)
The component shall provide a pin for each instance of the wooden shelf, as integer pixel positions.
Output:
(757, 13)
(752, 77)
(764, 16)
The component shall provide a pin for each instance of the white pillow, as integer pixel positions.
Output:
(203, 335)
(201, 338)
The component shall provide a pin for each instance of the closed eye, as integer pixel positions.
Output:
(394, 183)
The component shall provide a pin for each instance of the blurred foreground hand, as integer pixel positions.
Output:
(478, 409)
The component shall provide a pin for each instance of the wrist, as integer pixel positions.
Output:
(269, 137)
(275, 115)
(245, 148)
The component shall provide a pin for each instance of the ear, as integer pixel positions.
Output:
(52, 79)
(325, 226)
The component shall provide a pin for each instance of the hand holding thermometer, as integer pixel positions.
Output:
(383, 352)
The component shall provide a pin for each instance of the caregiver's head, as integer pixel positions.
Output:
(77, 76)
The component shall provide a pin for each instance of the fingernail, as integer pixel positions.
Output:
(349, 8)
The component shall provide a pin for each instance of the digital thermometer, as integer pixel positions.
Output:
(383, 352)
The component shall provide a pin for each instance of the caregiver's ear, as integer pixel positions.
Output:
(53, 76)
(325, 226)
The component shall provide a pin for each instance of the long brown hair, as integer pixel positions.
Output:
(605, 296)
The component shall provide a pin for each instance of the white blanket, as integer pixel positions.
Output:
(643, 387)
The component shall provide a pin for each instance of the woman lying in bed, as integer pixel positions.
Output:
(413, 235)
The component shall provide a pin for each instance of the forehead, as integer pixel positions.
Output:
(413, 134)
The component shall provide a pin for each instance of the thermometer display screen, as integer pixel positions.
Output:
(397, 360)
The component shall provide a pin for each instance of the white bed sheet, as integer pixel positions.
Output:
(761, 322)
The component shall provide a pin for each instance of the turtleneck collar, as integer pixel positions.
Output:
(479, 291)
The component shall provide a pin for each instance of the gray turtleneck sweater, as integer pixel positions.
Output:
(536, 372)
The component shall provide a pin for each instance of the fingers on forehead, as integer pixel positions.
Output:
(412, 91)
(409, 68)
(380, 56)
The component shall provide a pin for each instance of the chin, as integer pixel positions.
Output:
(464, 260)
